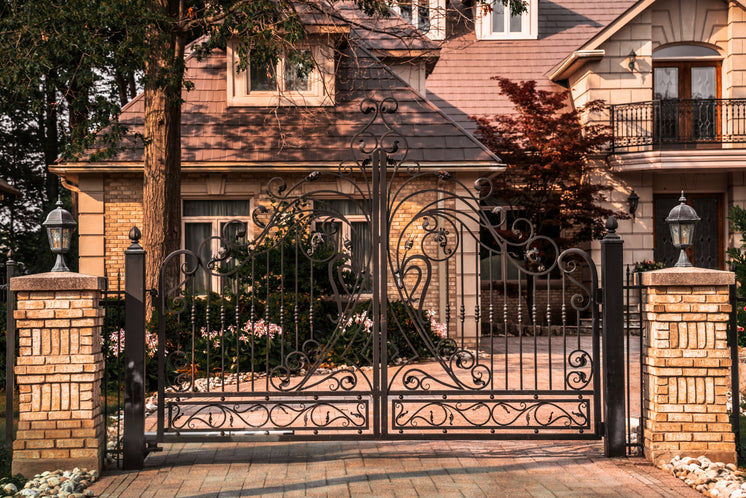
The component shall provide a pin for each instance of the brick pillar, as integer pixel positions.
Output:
(686, 364)
(58, 372)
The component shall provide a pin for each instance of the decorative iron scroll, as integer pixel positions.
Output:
(490, 414)
(293, 309)
(311, 415)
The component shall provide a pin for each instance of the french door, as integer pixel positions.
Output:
(687, 94)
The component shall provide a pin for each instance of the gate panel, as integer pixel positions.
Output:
(380, 300)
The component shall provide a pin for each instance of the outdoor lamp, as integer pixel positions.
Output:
(633, 200)
(681, 221)
(60, 226)
(632, 61)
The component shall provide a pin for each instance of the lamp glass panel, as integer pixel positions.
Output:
(55, 237)
(687, 234)
(675, 234)
(67, 235)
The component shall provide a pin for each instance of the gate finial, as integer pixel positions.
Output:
(135, 234)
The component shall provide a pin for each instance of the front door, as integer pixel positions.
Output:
(708, 250)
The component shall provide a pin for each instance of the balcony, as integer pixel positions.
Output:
(678, 124)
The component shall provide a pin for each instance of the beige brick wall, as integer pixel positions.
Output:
(686, 365)
(122, 210)
(58, 373)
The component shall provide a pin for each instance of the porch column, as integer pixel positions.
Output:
(686, 365)
(58, 372)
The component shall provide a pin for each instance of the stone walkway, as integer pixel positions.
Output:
(440, 468)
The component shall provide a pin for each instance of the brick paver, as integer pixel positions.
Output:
(441, 468)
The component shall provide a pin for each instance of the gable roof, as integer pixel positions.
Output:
(216, 137)
(461, 81)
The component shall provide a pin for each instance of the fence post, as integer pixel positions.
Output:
(134, 354)
(612, 274)
(686, 364)
(10, 349)
(735, 383)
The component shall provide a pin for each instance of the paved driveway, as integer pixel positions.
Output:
(448, 468)
(406, 468)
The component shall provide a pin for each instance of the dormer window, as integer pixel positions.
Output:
(495, 22)
(283, 84)
(427, 15)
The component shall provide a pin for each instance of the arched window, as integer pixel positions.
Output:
(686, 84)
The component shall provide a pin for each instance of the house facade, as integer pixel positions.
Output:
(245, 132)
(672, 75)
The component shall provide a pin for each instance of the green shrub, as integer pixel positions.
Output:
(737, 259)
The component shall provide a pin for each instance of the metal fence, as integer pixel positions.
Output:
(677, 122)
(633, 340)
(8, 300)
(112, 387)
(738, 303)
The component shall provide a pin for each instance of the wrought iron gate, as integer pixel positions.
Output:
(380, 300)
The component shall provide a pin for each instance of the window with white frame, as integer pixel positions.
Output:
(494, 21)
(205, 222)
(427, 15)
(286, 83)
(345, 220)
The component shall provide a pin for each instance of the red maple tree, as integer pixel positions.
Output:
(546, 147)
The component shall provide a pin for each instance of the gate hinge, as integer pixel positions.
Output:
(599, 295)
(152, 447)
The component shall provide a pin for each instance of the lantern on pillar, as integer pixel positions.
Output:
(681, 220)
(60, 226)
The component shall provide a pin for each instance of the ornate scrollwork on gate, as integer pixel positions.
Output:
(268, 415)
(369, 279)
(465, 414)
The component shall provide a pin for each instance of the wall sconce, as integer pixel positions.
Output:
(633, 200)
(681, 221)
(632, 61)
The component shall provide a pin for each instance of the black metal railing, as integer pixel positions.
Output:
(8, 298)
(737, 303)
(633, 360)
(660, 123)
(112, 387)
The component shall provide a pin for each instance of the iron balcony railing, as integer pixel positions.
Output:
(663, 123)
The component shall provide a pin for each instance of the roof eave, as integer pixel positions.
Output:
(259, 167)
(574, 62)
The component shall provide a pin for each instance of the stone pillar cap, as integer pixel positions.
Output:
(57, 281)
(675, 277)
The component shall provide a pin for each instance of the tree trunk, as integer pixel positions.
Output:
(162, 169)
(51, 142)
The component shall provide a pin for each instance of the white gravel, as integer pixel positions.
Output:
(59, 483)
(714, 479)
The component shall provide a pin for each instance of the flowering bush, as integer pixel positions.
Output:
(647, 265)
(738, 264)
(115, 344)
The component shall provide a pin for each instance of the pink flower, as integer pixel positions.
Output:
(116, 342)
(259, 329)
(740, 329)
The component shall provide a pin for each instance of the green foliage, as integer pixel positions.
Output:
(274, 315)
(6, 460)
(647, 265)
(737, 260)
